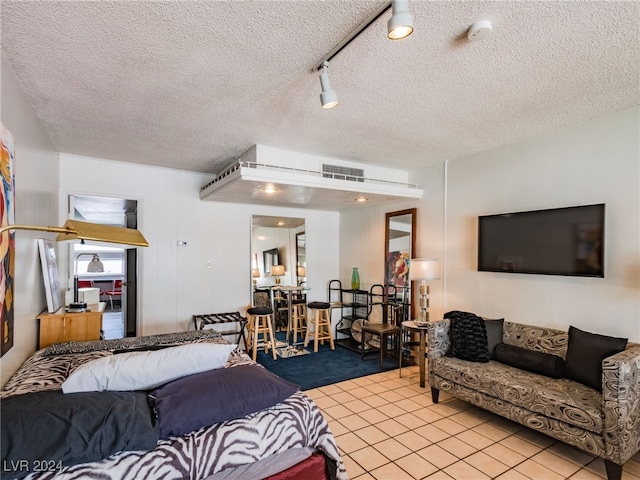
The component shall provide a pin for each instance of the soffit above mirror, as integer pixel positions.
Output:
(270, 176)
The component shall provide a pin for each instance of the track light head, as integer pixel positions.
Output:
(400, 24)
(328, 97)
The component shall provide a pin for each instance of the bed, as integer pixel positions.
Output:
(228, 421)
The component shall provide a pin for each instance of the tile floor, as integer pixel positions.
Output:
(387, 428)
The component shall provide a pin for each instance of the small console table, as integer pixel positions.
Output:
(411, 326)
(63, 326)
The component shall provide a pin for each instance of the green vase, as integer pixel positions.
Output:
(355, 279)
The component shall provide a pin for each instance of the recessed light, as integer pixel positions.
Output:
(361, 199)
(269, 189)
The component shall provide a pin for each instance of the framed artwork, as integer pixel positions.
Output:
(50, 274)
(7, 239)
(398, 268)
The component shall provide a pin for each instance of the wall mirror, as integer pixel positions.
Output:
(276, 241)
(400, 247)
(301, 258)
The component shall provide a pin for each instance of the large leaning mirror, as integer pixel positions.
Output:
(400, 247)
(277, 250)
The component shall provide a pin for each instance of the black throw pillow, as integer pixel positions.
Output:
(468, 337)
(585, 353)
(494, 333)
(530, 360)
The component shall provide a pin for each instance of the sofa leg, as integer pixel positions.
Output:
(435, 393)
(614, 471)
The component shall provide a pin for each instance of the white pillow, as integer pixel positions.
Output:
(146, 370)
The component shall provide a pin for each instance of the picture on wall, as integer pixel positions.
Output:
(8, 238)
(398, 268)
(50, 274)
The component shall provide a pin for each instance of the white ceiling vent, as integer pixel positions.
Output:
(342, 173)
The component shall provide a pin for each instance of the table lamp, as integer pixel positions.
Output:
(301, 272)
(255, 273)
(277, 271)
(423, 269)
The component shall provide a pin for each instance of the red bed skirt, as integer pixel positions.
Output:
(313, 468)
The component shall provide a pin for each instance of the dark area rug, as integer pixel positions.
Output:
(324, 367)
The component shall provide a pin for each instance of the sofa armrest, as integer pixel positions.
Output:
(438, 338)
(621, 404)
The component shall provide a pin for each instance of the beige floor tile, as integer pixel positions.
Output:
(353, 469)
(374, 400)
(357, 406)
(437, 456)
(556, 463)
(573, 454)
(376, 388)
(359, 392)
(366, 476)
(391, 427)
(537, 438)
(449, 426)
(350, 442)
(363, 381)
(474, 439)
(407, 391)
(337, 411)
(467, 419)
(444, 409)
(348, 385)
(514, 427)
(417, 466)
(410, 420)
(412, 440)
(325, 402)
(392, 449)
(513, 475)
(410, 404)
(439, 475)
(422, 399)
(330, 389)
(523, 447)
(462, 470)
(343, 397)
(584, 474)
(427, 415)
(457, 447)
(632, 467)
(458, 404)
(534, 470)
(391, 410)
(354, 422)
(493, 433)
(596, 467)
(391, 471)
(504, 455)
(369, 458)
(432, 433)
(371, 434)
(486, 464)
(337, 428)
(374, 415)
(314, 394)
(392, 396)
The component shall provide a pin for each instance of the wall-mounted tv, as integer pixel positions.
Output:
(559, 241)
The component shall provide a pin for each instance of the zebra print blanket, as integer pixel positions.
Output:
(294, 423)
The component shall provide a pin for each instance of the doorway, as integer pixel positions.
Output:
(110, 269)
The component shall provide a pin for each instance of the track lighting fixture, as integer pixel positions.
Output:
(400, 24)
(328, 97)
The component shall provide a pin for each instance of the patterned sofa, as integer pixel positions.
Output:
(606, 424)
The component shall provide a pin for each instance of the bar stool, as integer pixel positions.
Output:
(259, 322)
(298, 320)
(318, 314)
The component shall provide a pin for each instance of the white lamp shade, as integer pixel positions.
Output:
(277, 270)
(424, 269)
(302, 271)
(255, 272)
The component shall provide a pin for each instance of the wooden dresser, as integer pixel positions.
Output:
(63, 326)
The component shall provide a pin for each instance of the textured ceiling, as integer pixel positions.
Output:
(192, 85)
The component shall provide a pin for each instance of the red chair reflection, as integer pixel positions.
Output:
(116, 291)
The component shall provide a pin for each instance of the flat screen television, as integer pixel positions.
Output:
(559, 241)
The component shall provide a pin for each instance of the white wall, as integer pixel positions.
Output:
(36, 175)
(174, 282)
(597, 161)
(593, 162)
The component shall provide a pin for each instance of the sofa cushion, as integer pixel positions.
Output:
(536, 362)
(468, 337)
(494, 333)
(585, 354)
(562, 399)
